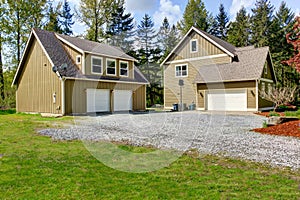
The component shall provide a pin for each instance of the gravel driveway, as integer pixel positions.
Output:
(217, 133)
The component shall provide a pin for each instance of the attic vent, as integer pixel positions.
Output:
(78, 59)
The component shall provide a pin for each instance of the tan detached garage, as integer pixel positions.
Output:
(60, 75)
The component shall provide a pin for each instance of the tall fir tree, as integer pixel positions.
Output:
(148, 55)
(167, 37)
(120, 30)
(66, 21)
(52, 23)
(239, 30)
(280, 49)
(261, 22)
(220, 26)
(196, 15)
(95, 14)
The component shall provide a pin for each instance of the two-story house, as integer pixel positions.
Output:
(61, 75)
(217, 75)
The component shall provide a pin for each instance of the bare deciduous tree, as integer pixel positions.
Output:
(280, 96)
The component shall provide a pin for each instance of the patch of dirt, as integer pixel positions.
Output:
(286, 129)
(267, 114)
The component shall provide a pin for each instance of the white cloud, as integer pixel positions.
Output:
(236, 5)
(169, 10)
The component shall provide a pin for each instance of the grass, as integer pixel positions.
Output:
(293, 113)
(36, 167)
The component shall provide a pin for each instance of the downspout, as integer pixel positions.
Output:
(83, 63)
(63, 96)
(257, 95)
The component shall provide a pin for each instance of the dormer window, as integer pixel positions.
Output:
(78, 59)
(111, 67)
(97, 65)
(123, 68)
(194, 46)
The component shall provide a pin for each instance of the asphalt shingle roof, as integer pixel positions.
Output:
(59, 56)
(249, 66)
(95, 47)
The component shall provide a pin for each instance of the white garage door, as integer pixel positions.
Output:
(122, 100)
(98, 100)
(227, 100)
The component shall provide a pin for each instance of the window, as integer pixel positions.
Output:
(194, 46)
(123, 68)
(97, 65)
(110, 67)
(269, 88)
(181, 70)
(78, 59)
(266, 68)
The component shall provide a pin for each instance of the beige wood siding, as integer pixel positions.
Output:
(37, 84)
(88, 65)
(73, 54)
(76, 94)
(249, 85)
(205, 48)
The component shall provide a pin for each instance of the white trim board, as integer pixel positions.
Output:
(196, 59)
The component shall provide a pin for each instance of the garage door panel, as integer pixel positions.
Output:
(233, 100)
(122, 100)
(98, 100)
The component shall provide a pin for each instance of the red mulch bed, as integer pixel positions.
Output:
(267, 114)
(286, 129)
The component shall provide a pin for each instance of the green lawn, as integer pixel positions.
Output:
(35, 167)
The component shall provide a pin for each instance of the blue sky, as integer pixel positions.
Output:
(173, 9)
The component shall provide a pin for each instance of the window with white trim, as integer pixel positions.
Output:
(194, 46)
(110, 67)
(97, 66)
(123, 68)
(266, 68)
(181, 70)
(78, 59)
(269, 88)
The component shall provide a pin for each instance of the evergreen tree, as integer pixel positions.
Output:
(196, 15)
(95, 14)
(221, 24)
(261, 22)
(53, 19)
(120, 30)
(148, 56)
(167, 37)
(66, 21)
(239, 30)
(281, 50)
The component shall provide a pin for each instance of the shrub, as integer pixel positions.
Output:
(272, 113)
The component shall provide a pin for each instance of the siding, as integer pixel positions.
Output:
(88, 64)
(249, 85)
(171, 88)
(76, 94)
(205, 48)
(37, 84)
(73, 53)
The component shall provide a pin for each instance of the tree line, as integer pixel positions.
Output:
(107, 21)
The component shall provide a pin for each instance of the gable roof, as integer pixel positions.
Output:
(57, 55)
(87, 46)
(223, 45)
(250, 66)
